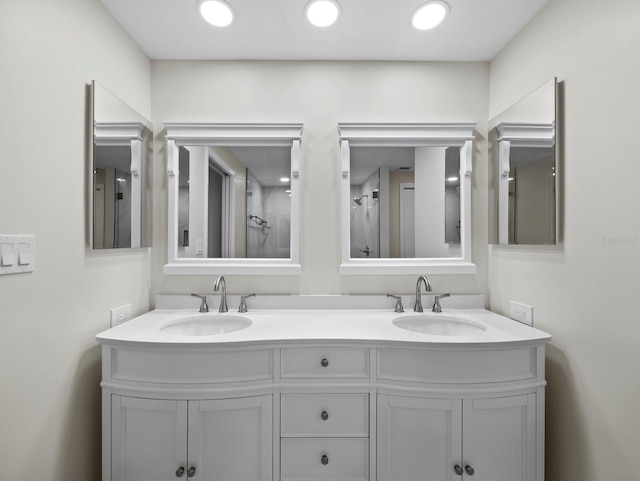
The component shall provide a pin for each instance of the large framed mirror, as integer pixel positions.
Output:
(119, 160)
(233, 198)
(406, 198)
(524, 156)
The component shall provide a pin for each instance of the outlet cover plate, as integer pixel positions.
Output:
(521, 313)
(120, 314)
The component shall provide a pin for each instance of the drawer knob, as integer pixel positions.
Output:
(324, 362)
(458, 469)
(469, 470)
(180, 472)
(324, 415)
(325, 459)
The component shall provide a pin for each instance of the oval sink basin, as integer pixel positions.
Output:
(439, 325)
(207, 325)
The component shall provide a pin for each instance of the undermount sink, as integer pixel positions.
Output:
(439, 325)
(206, 325)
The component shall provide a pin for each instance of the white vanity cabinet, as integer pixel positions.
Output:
(156, 439)
(448, 439)
(326, 409)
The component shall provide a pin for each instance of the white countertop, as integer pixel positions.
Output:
(287, 326)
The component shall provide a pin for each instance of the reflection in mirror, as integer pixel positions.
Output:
(234, 202)
(121, 139)
(523, 143)
(391, 187)
(233, 198)
(406, 198)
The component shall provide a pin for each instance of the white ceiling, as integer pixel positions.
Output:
(475, 30)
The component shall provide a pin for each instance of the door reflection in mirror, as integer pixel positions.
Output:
(406, 202)
(234, 202)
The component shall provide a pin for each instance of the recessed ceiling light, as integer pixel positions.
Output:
(430, 15)
(452, 179)
(322, 13)
(284, 179)
(216, 12)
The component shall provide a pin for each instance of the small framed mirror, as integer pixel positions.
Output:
(406, 198)
(523, 150)
(233, 198)
(120, 160)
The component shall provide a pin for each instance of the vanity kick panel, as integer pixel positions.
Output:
(325, 415)
(324, 459)
(191, 367)
(336, 363)
(447, 366)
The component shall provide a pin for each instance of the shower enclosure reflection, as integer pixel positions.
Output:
(406, 202)
(234, 202)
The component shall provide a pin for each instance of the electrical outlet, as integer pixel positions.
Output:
(522, 313)
(120, 314)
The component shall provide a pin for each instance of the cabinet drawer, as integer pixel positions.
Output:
(457, 366)
(336, 363)
(325, 415)
(191, 365)
(346, 459)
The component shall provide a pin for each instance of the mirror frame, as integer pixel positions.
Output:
(408, 135)
(180, 134)
(125, 134)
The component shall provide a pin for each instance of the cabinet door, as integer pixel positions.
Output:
(418, 438)
(148, 439)
(231, 439)
(499, 438)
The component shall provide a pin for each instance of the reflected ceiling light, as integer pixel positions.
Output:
(430, 15)
(322, 13)
(451, 179)
(284, 179)
(216, 12)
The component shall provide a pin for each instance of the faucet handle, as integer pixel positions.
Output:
(436, 303)
(243, 304)
(204, 307)
(399, 307)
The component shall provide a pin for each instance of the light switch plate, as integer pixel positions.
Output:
(17, 254)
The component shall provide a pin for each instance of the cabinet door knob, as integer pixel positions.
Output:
(180, 472)
(192, 472)
(458, 469)
(324, 415)
(469, 470)
(325, 459)
(324, 362)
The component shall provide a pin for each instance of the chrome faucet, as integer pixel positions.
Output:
(436, 303)
(427, 287)
(204, 307)
(243, 303)
(399, 307)
(223, 294)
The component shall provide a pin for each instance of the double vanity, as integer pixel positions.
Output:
(323, 394)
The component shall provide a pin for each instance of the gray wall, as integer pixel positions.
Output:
(584, 290)
(49, 360)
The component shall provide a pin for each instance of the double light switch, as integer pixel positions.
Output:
(17, 254)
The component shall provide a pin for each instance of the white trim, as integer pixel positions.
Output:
(527, 135)
(117, 133)
(209, 134)
(408, 135)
